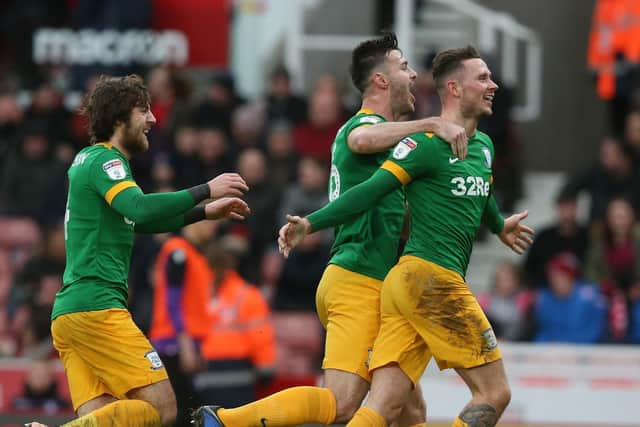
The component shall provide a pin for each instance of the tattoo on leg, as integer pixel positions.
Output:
(481, 415)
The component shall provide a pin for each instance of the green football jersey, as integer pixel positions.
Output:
(447, 196)
(98, 239)
(367, 244)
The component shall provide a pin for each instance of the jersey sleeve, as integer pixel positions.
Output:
(111, 178)
(110, 175)
(412, 157)
(364, 120)
(354, 201)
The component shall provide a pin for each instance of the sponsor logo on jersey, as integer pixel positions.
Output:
(487, 156)
(490, 339)
(114, 169)
(470, 186)
(403, 148)
(154, 359)
(369, 119)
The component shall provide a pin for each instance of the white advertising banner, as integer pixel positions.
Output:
(557, 384)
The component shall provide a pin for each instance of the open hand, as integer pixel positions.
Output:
(227, 184)
(517, 236)
(292, 234)
(227, 207)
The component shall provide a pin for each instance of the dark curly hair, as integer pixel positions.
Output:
(111, 101)
(368, 55)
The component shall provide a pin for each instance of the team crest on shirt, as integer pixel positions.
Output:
(154, 359)
(403, 148)
(490, 340)
(487, 156)
(114, 169)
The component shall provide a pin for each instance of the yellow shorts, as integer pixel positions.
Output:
(104, 352)
(428, 310)
(348, 305)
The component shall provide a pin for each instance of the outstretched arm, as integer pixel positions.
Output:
(228, 207)
(356, 200)
(129, 200)
(382, 136)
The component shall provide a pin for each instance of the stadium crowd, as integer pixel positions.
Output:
(579, 283)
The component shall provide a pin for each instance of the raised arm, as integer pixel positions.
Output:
(381, 136)
(354, 201)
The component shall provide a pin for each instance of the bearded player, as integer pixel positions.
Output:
(115, 376)
(427, 309)
(365, 248)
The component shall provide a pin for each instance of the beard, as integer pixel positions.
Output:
(401, 101)
(134, 140)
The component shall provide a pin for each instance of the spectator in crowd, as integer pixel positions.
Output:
(170, 95)
(29, 174)
(40, 391)
(11, 120)
(612, 175)
(632, 134)
(221, 101)
(184, 156)
(326, 114)
(309, 193)
(281, 156)
(282, 103)
(565, 235)
(33, 292)
(215, 155)
(569, 310)
(507, 304)
(182, 280)
(247, 126)
(46, 108)
(239, 347)
(263, 199)
(613, 259)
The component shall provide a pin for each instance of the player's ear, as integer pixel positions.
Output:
(453, 87)
(380, 80)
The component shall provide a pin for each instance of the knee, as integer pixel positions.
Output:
(501, 397)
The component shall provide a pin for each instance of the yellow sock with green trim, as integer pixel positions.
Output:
(367, 417)
(459, 423)
(290, 407)
(126, 412)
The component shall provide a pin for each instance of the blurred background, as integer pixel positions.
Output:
(260, 87)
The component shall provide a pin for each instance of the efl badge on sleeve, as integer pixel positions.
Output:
(403, 148)
(114, 169)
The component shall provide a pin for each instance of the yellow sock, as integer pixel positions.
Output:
(459, 423)
(419, 425)
(128, 412)
(367, 417)
(293, 406)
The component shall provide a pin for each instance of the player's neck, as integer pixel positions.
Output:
(468, 123)
(116, 141)
(378, 105)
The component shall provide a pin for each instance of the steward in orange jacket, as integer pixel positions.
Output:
(180, 319)
(239, 348)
